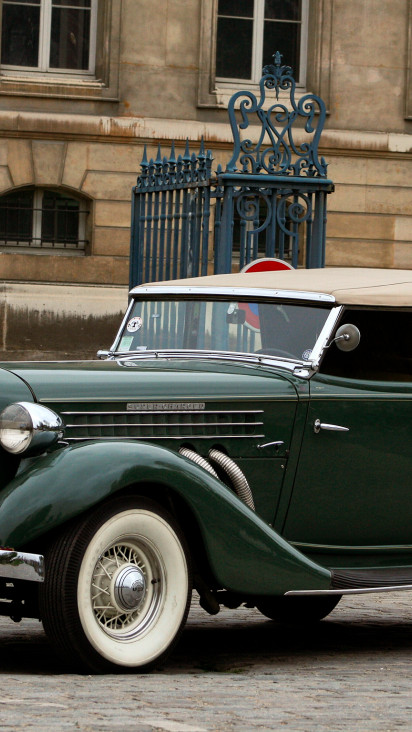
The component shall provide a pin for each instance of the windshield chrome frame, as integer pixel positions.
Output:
(253, 292)
(305, 369)
(324, 336)
(122, 324)
(254, 358)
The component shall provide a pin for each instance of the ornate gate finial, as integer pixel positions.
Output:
(276, 151)
(279, 77)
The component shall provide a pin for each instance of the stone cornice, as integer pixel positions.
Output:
(139, 130)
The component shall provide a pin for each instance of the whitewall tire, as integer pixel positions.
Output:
(118, 586)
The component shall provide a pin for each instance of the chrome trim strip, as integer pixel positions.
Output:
(363, 591)
(122, 357)
(21, 565)
(140, 438)
(353, 549)
(123, 323)
(175, 411)
(163, 424)
(237, 292)
(110, 400)
(324, 336)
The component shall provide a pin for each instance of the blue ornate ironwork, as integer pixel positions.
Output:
(187, 169)
(276, 151)
(170, 216)
(270, 200)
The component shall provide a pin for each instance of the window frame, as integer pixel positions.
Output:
(43, 66)
(45, 246)
(257, 47)
(408, 91)
(102, 85)
(214, 94)
(368, 363)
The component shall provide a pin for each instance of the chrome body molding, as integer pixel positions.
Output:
(303, 369)
(351, 549)
(126, 358)
(168, 407)
(21, 565)
(352, 591)
(136, 412)
(258, 292)
(158, 437)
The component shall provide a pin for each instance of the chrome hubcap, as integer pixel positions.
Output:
(129, 588)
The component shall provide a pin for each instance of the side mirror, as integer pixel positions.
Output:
(347, 337)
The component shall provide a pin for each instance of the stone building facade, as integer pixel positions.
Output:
(109, 76)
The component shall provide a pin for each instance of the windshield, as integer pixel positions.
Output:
(271, 328)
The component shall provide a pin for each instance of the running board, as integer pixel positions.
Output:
(363, 581)
(353, 591)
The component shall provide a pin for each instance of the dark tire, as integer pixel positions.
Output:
(117, 587)
(298, 610)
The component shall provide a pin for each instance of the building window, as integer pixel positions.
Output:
(311, 62)
(57, 36)
(250, 31)
(39, 220)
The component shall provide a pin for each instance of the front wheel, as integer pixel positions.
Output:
(117, 587)
(298, 610)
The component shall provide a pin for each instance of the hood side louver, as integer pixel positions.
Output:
(157, 425)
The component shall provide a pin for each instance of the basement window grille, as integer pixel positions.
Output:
(40, 220)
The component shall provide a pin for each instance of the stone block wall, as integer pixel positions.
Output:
(57, 322)
(155, 83)
(369, 214)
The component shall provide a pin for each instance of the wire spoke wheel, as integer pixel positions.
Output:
(126, 587)
(117, 587)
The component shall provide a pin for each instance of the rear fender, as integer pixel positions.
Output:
(244, 553)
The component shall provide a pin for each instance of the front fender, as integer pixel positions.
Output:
(245, 554)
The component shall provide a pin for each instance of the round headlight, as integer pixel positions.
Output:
(25, 426)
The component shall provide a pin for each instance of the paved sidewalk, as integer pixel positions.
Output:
(235, 671)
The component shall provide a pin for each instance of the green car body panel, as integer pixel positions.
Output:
(360, 494)
(245, 554)
(13, 388)
(343, 527)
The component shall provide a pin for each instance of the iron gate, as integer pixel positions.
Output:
(269, 201)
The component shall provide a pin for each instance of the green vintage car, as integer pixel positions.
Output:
(248, 435)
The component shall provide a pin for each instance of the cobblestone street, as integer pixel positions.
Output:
(234, 671)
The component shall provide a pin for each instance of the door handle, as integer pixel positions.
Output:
(275, 444)
(318, 426)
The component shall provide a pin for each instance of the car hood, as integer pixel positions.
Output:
(146, 380)
(13, 388)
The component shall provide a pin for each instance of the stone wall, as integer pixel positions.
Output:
(57, 322)
(369, 215)
(88, 137)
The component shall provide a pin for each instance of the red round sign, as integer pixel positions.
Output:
(266, 264)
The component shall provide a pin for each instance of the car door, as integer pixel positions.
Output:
(353, 482)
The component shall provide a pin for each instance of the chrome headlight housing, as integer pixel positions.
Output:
(27, 427)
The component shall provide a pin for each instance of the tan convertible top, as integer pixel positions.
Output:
(349, 286)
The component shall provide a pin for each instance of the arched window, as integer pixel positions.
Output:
(42, 219)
